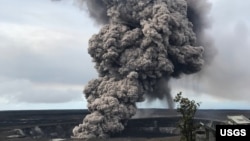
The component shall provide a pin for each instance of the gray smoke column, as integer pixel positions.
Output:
(142, 44)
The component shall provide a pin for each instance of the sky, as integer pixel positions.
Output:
(44, 61)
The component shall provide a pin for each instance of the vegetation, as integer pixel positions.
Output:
(187, 108)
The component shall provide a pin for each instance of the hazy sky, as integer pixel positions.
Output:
(44, 62)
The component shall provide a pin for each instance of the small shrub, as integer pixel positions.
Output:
(187, 108)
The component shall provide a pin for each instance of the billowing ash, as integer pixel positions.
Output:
(142, 44)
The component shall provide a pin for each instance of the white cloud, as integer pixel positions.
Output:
(41, 106)
(44, 59)
(15, 91)
(43, 54)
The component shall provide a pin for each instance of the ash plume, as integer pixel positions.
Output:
(141, 46)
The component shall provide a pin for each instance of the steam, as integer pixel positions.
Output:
(141, 46)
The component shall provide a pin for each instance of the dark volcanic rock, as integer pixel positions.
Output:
(58, 124)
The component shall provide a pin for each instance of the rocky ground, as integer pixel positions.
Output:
(174, 138)
(57, 125)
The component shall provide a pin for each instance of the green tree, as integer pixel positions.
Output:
(187, 108)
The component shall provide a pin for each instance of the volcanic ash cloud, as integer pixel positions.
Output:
(141, 46)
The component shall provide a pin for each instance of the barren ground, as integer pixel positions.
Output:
(175, 138)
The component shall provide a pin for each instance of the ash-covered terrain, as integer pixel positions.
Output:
(147, 124)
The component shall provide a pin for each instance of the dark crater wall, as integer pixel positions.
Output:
(51, 124)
